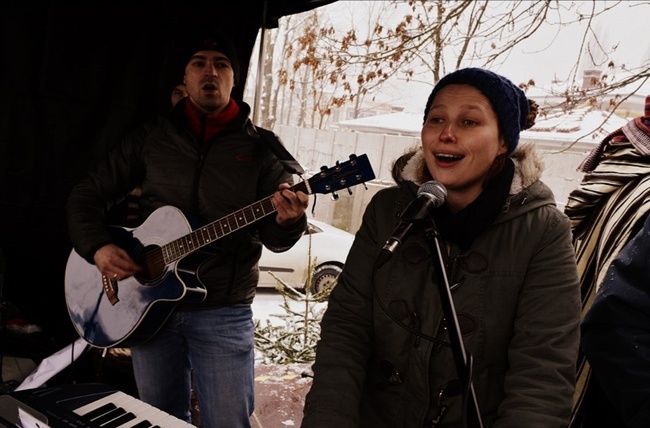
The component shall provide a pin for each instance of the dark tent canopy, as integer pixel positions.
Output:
(76, 76)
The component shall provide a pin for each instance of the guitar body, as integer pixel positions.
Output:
(146, 300)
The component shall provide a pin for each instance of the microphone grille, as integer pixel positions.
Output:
(434, 190)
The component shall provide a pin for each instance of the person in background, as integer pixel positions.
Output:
(609, 212)
(384, 357)
(178, 93)
(206, 158)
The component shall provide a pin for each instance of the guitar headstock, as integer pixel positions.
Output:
(344, 175)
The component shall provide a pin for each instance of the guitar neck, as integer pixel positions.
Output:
(205, 235)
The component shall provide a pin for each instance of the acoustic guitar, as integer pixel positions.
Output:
(108, 313)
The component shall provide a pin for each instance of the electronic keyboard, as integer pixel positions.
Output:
(81, 406)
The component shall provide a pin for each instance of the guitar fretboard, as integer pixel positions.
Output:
(179, 248)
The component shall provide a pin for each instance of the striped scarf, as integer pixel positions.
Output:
(613, 198)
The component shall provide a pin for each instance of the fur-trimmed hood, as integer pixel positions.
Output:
(528, 167)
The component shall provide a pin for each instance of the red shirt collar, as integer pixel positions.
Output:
(205, 127)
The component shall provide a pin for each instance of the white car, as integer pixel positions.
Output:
(329, 249)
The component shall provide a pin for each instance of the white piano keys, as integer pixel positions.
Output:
(142, 411)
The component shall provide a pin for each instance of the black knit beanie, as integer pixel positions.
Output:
(213, 43)
(513, 109)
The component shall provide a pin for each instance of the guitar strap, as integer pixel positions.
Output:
(286, 159)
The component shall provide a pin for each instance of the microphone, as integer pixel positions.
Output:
(431, 195)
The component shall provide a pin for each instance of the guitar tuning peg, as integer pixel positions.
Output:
(349, 191)
(365, 187)
(335, 196)
(323, 168)
(353, 159)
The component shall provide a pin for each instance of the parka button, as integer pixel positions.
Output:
(389, 370)
(467, 324)
(415, 253)
(400, 309)
(475, 262)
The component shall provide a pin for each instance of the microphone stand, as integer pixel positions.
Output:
(462, 358)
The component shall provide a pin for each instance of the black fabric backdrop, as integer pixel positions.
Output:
(75, 76)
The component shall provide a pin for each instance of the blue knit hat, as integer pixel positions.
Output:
(514, 111)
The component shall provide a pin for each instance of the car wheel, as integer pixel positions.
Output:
(324, 275)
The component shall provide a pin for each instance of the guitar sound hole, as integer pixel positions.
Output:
(152, 262)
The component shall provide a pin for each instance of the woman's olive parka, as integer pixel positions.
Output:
(380, 362)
